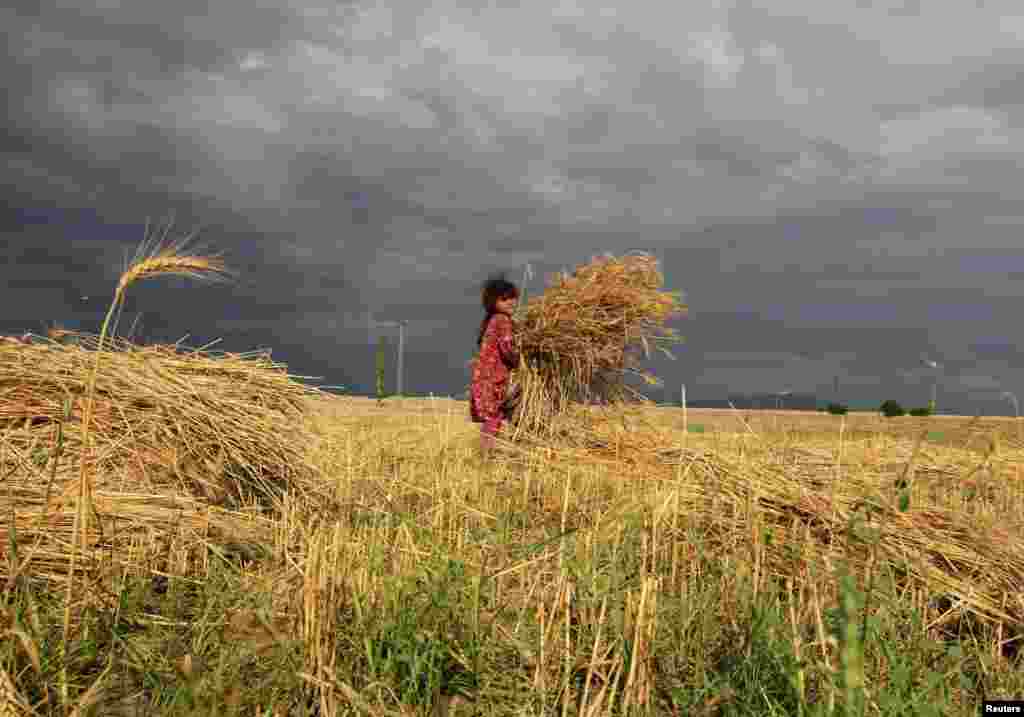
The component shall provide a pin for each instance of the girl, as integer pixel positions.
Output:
(496, 359)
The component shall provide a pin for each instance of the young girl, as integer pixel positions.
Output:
(495, 361)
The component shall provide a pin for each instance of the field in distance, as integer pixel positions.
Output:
(937, 428)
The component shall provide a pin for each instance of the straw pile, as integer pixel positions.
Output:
(181, 441)
(586, 332)
(952, 540)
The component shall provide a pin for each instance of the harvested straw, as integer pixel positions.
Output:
(584, 334)
(937, 543)
(181, 439)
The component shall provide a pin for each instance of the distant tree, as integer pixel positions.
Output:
(380, 369)
(838, 409)
(922, 411)
(891, 409)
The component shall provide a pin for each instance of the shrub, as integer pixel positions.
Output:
(891, 408)
(838, 409)
(922, 411)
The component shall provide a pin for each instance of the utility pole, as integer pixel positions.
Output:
(781, 395)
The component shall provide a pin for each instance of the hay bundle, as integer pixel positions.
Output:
(586, 332)
(173, 433)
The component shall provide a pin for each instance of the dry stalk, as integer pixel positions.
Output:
(162, 260)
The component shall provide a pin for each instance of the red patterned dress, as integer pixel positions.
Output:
(491, 370)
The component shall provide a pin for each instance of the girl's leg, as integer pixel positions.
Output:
(487, 433)
(486, 443)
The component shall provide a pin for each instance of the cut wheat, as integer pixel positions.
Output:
(585, 334)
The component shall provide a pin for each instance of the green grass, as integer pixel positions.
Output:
(440, 633)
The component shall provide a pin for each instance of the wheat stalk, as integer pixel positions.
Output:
(155, 257)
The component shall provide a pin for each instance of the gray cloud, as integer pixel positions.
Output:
(823, 180)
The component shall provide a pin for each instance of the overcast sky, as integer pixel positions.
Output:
(835, 186)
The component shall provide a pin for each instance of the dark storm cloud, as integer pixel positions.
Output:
(992, 262)
(834, 189)
(590, 127)
(165, 38)
(996, 349)
(516, 245)
(993, 82)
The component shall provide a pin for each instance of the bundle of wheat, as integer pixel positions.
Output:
(104, 443)
(586, 332)
(173, 432)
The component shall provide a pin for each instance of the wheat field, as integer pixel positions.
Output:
(186, 533)
(565, 580)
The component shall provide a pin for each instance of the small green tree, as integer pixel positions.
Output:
(891, 409)
(923, 411)
(380, 369)
(838, 409)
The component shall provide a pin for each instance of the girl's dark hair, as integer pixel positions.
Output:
(495, 288)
